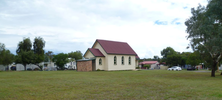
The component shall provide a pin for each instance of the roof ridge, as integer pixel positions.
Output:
(111, 41)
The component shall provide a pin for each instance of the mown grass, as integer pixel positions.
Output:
(150, 84)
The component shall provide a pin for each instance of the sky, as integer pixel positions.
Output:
(148, 26)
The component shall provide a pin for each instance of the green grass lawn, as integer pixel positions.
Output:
(145, 84)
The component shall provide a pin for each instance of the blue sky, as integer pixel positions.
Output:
(148, 26)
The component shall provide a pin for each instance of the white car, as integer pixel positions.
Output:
(175, 68)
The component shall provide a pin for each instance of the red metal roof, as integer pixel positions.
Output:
(148, 62)
(96, 52)
(114, 47)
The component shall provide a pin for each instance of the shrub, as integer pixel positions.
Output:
(137, 67)
(36, 69)
(41, 66)
(147, 66)
(98, 70)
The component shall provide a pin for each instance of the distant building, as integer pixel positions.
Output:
(71, 64)
(153, 64)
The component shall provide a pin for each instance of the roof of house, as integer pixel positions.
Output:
(148, 62)
(96, 52)
(114, 47)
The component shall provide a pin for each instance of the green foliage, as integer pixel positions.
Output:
(166, 52)
(6, 57)
(205, 32)
(77, 55)
(48, 56)
(61, 59)
(147, 66)
(25, 57)
(137, 67)
(193, 59)
(38, 50)
(25, 54)
(2, 47)
(156, 58)
(174, 59)
(41, 66)
(24, 45)
(46, 59)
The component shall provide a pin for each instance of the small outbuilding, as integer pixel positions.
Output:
(153, 64)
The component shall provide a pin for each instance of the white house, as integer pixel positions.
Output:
(108, 55)
(71, 64)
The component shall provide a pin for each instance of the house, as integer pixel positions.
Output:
(108, 55)
(153, 64)
(71, 64)
(48, 66)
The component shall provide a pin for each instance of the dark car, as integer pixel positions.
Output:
(29, 69)
(191, 68)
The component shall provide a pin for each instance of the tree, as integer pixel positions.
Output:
(146, 66)
(38, 50)
(6, 57)
(49, 55)
(205, 32)
(61, 59)
(193, 59)
(25, 55)
(169, 52)
(77, 55)
(2, 47)
(166, 52)
(173, 60)
(24, 46)
(156, 58)
(46, 58)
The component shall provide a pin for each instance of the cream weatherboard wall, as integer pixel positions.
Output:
(119, 65)
(136, 63)
(102, 66)
(88, 55)
(98, 46)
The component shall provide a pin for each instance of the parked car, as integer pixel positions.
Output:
(175, 68)
(191, 68)
(29, 69)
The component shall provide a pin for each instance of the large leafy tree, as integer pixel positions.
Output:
(193, 59)
(167, 51)
(173, 60)
(205, 32)
(6, 57)
(156, 58)
(25, 45)
(38, 50)
(76, 55)
(61, 59)
(25, 55)
(184, 56)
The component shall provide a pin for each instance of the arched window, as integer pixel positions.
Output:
(115, 60)
(129, 60)
(100, 61)
(122, 60)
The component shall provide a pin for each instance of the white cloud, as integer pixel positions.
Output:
(69, 25)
